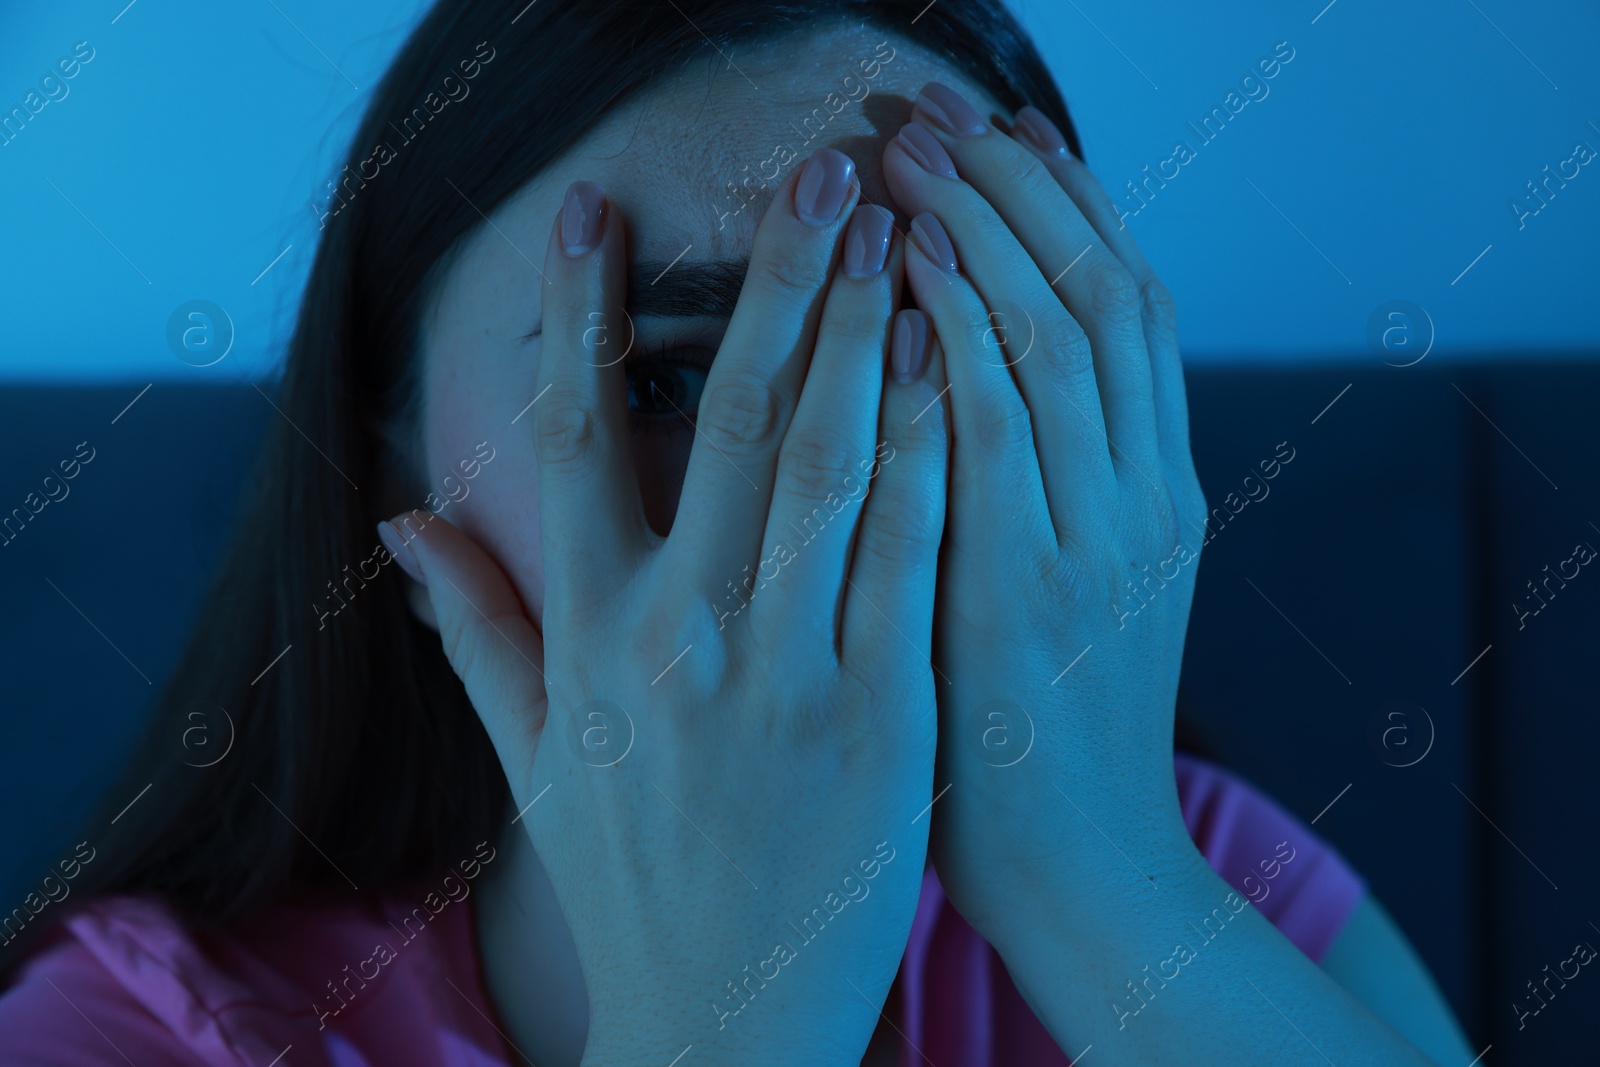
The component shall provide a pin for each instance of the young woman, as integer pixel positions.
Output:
(788, 464)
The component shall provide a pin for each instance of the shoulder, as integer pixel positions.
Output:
(1297, 880)
(125, 980)
(72, 1003)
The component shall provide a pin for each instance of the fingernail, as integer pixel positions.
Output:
(909, 347)
(583, 218)
(1032, 126)
(401, 551)
(929, 235)
(949, 110)
(924, 148)
(823, 187)
(866, 242)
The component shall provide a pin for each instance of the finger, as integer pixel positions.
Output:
(1047, 350)
(827, 453)
(889, 598)
(591, 517)
(493, 647)
(996, 489)
(1034, 131)
(754, 384)
(1095, 286)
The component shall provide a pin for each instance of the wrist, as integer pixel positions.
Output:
(1071, 932)
(651, 1034)
(1097, 863)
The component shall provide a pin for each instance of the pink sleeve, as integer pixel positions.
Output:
(65, 1009)
(121, 980)
(1297, 881)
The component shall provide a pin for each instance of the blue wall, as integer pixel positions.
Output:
(1380, 162)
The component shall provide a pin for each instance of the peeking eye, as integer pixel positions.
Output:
(667, 384)
(666, 390)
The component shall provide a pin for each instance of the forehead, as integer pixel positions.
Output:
(692, 158)
(721, 134)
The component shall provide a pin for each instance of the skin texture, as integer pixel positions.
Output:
(665, 157)
(1069, 473)
(480, 372)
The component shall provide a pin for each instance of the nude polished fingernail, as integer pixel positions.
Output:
(929, 236)
(925, 150)
(1033, 127)
(866, 242)
(823, 187)
(948, 110)
(583, 218)
(910, 346)
(401, 551)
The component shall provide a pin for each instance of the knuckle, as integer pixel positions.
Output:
(1068, 357)
(1005, 425)
(564, 431)
(741, 411)
(1113, 294)
(902, 535)
(792, 275)
(924, 441)
(1025, 172)
(1088, 194)
(815, 463)
(986, 333)
(972, 326)
(1159, 306)
(856, 328)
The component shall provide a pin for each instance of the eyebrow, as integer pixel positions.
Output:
(679, 290)
(683, 290)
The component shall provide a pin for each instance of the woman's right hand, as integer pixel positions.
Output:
(701, 779)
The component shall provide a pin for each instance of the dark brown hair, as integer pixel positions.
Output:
(360, 738)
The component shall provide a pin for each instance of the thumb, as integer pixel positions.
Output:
(488, 638)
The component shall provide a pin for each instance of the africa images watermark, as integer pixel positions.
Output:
(1183, 955)
(1582, 954)
(1270, 869)
(11, 925)
(12, 525)
(783, 552)
(1183, 153)
(1183, 554)
(455, 490)
(854, 887)
(855, 89)
(1186, 953)
(384, 954)
(1582, 553)
(383, 153)
(1538, 197)
(1234, 503)
(54, 87)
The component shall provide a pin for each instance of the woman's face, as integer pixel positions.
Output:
(669, 159)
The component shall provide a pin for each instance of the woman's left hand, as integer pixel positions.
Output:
(1074, 521)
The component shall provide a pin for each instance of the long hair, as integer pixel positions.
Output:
(356, 757)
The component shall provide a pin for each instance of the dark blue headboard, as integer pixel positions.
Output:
(1350, 610)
